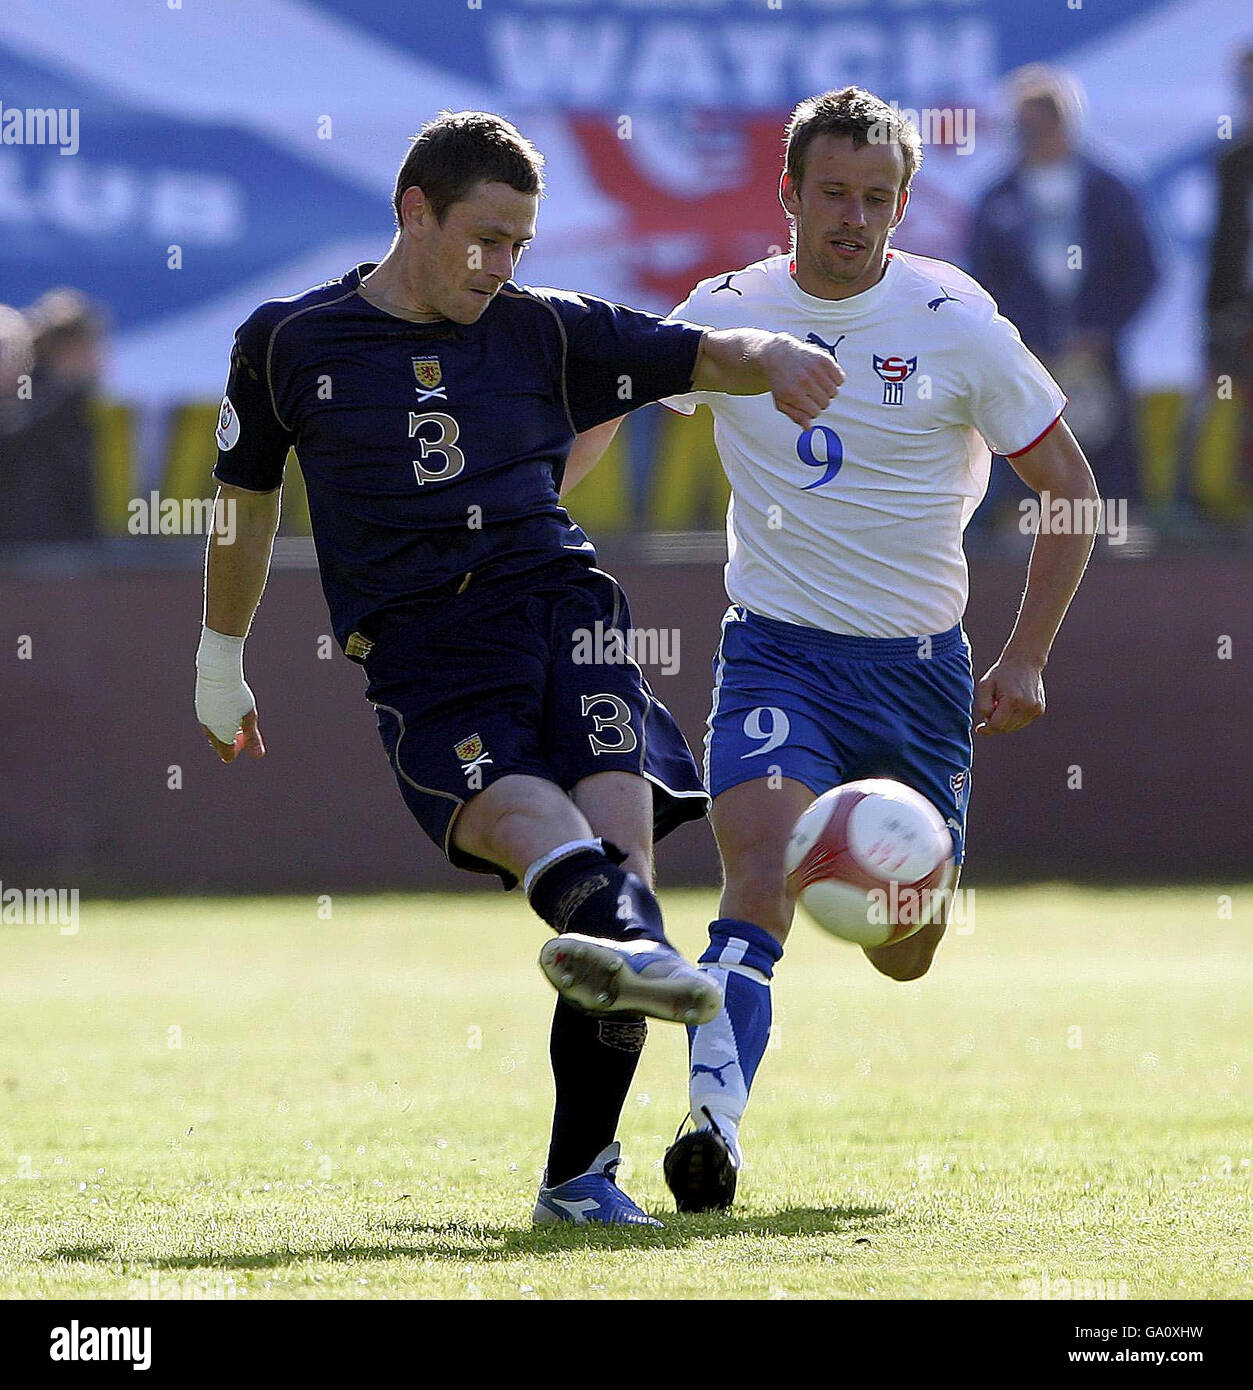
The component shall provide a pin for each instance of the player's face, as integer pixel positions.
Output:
(465, 259)
(849, 200)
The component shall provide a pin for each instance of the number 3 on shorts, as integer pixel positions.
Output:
(618, 719)
(770, 725)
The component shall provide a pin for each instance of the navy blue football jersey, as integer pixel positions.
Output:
(433, 449)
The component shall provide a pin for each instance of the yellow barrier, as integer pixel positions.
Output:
(191, 452)
(601, 502)
(116, 484)
(689, 488)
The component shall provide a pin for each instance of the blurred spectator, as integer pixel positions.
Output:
(17, 357)
(1218, 486)
(47, 444)
(1062, 244)
(939, 218)
(17, 353)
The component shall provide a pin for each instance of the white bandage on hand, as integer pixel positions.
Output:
(222, 694)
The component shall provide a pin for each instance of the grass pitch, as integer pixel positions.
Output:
(244, 1099)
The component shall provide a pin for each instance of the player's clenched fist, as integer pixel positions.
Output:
(1009, 697)
(224, 704)
(747, 362)
(803, 379)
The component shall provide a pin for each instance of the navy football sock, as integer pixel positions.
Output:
(594, 1062)
(588, 891)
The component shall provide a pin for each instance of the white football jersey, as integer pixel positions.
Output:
(856, 525)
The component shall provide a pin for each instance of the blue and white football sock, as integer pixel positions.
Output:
(726, 1052)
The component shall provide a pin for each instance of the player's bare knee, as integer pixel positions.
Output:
(511, 824)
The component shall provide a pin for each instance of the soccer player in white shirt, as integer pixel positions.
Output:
(842, 653)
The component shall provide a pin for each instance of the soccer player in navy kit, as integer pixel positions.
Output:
(433, 404)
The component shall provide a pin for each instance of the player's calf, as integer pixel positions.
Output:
(909, 959)
(619, 808)
(752, 822)
(755, 892)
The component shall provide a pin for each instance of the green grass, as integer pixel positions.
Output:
(359, 1108)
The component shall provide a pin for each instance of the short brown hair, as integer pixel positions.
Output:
(461, 148)
(852, 111)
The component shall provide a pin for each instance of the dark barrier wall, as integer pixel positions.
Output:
(109, 786)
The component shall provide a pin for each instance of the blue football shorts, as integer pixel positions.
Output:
(823, 708)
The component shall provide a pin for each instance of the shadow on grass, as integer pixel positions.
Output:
(79, 1252)
(480, 1242)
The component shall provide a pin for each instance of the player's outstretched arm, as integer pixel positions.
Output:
(587, 451)
(749, 361)
(235, 575)
(1011, 695)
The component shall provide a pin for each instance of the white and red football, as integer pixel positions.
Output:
(871, 861)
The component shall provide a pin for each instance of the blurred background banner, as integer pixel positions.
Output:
(261, 138)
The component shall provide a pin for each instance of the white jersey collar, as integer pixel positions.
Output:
(854, 306)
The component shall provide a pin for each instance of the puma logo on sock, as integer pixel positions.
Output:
(715, 1072)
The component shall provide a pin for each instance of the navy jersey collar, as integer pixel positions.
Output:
(352, 281)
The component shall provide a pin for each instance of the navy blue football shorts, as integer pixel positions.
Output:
(522, 674)
(823, 708)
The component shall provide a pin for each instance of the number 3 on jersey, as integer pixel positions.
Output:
(827, 455)
(438, 441)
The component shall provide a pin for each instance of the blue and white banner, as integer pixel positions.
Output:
(208, 154)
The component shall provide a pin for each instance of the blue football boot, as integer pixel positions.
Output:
(593, 1197)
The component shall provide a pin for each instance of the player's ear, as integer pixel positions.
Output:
(787, 195)
(902, 203)
(415, 211)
